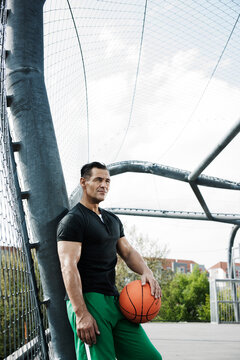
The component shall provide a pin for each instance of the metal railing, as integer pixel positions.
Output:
(225, 301)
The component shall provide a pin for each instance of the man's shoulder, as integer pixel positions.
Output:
(75, 210)
(72, 226)
(110, 214)
(75, 214)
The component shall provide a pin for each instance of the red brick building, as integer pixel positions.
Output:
(180, 265)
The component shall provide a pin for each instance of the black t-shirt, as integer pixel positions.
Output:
(99, 240)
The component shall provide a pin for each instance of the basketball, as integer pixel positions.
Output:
(137, 303)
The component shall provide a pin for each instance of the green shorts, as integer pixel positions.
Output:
(119, 338)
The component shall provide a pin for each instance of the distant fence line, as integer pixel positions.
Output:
(225, 294)
(225, 301)
(20, 316)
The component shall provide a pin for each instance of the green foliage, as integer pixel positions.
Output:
(18, 317)
(186, 298)
(13, 294)
(204, 310)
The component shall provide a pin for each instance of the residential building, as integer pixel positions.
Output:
(220, 271)
(179, 265)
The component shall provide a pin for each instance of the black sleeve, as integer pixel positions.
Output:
(71, 228)
(121, 229)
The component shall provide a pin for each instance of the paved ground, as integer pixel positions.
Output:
(195, 341)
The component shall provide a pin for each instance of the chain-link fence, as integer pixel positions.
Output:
(22, 334)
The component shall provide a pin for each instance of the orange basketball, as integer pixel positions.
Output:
(137, 303)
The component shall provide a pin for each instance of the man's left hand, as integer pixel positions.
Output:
(154, 285)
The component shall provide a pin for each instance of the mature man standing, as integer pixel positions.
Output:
(89, 239)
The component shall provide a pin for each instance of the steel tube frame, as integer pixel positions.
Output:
(216, 151)
(169, 172)
(216, 302)
(181, 175)
(172, 173)
(230, 246)
(20, 211)
(194, 179)
(184, 215)
(201, 200)
(231, 271)
(39, 159)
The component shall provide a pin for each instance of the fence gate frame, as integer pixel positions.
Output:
(231, 299)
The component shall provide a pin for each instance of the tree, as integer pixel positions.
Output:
(186, 298)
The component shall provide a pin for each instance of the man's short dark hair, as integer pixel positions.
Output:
(86, 170)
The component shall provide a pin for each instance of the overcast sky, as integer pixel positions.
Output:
(186, 100)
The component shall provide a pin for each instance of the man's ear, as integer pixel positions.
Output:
(82, 182)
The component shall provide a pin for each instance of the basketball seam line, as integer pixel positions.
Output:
(150, 308)
(131, 302)
(142, 302)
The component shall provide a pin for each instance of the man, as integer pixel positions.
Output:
(89, 239)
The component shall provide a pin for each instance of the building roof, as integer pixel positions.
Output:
(167, 263)
(222, 265)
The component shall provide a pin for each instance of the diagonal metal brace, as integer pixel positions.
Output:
(201, 200)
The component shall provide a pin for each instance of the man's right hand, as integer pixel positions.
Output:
(87, 328)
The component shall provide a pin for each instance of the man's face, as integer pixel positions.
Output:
(97, 185)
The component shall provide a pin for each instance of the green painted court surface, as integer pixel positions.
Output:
(195, 341)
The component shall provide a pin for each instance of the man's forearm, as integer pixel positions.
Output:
(73, 285)
(136, 263)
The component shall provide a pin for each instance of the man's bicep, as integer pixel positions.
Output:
(123, 247)
(69, 252)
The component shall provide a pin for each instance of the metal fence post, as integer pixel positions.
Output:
(231, 274)
(216, 301)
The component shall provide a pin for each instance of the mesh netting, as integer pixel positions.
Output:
(148, 80)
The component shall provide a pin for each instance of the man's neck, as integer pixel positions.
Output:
(90, 206)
